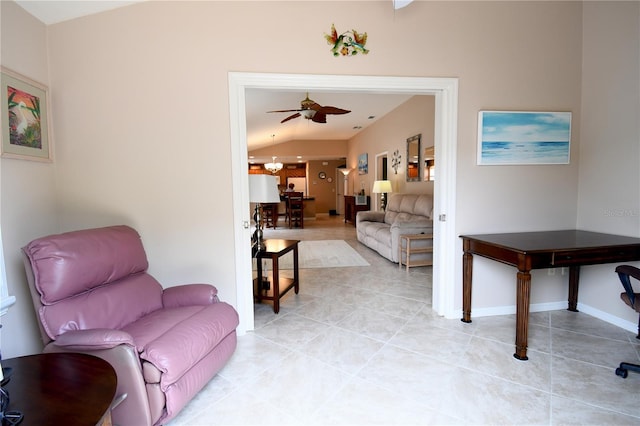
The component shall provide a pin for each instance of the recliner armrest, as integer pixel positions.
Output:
(93, 339)
(369, 216)
(189, 295)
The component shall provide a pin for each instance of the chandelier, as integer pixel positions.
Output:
(273, 167)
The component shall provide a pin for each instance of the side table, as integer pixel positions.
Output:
(274, 250)
(405, 247)
(61, 389)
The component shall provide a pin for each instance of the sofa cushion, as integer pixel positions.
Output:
(407, 207)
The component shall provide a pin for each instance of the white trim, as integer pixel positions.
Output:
(511, 309)
(607, 317)
(6, 301)
(446, 95)
(559, 306)
(377, 172)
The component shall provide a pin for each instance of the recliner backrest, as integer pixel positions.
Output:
(91, 279)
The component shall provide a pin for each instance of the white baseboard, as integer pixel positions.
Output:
(511, 309)
(556, 306)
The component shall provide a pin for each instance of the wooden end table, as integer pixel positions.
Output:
(61, 389)
(274, 250)
(404, 247)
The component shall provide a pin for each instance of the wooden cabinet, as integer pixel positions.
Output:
(351, 209)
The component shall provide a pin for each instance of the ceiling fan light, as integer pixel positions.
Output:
(308, 113)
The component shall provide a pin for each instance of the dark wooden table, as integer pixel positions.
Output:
(539, 250)
(61, 389)
(278, 286)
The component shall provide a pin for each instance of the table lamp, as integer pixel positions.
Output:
(382, 187)
(262, 189)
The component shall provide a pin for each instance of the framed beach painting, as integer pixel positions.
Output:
(24, 109)
(363, 164)
(522, 137)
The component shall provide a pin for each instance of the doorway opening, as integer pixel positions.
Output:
(445, 91)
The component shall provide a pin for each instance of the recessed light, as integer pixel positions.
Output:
(371, 117)
(357, 127)
(299, 157)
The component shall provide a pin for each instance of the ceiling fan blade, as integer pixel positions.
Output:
(285, 110)
(319, 117)
(333, 110)
(314, 106)
(291, 117)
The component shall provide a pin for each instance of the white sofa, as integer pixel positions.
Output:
(405, 214)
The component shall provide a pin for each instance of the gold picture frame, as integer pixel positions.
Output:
(24, 115)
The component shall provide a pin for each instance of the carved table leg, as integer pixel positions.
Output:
(467, 274)
(522, 314)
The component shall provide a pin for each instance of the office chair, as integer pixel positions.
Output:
(625, 272)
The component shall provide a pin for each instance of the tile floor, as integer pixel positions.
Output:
(361, 346)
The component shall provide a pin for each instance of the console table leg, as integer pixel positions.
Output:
(522, 314)
(467, 274)
(296, 273)
(574, 278)
(276, 285)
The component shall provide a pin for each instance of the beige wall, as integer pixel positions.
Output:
(322, 190)
(28, 189)
(609, 192)
(141, 120)
(416, 116)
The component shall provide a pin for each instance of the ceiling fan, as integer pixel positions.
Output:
(312, 111)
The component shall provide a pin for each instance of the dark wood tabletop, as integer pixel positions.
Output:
(60, 388)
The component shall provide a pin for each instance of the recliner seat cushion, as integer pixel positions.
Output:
(165, 337)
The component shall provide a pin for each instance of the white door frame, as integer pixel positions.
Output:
(445, 91)
(377, 172)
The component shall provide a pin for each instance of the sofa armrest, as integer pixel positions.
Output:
(369, 216)
(189, 295)
(93, 339)
(422, 226)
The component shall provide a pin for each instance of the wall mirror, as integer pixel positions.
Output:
(429, 159)
(413, 159)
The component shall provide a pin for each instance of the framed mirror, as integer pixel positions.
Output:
(413, 159)
(429, 159)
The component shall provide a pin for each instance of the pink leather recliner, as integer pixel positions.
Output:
(92, 294)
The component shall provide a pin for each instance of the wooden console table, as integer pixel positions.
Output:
(540, 250)
(61, 389)
(274, 250)
(351, 209)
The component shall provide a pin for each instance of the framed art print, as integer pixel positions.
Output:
(363, 164)
(521, 137)
(24, 116)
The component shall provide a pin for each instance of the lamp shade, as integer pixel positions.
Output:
(345, 172)
(381, 187)
(263, 189)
